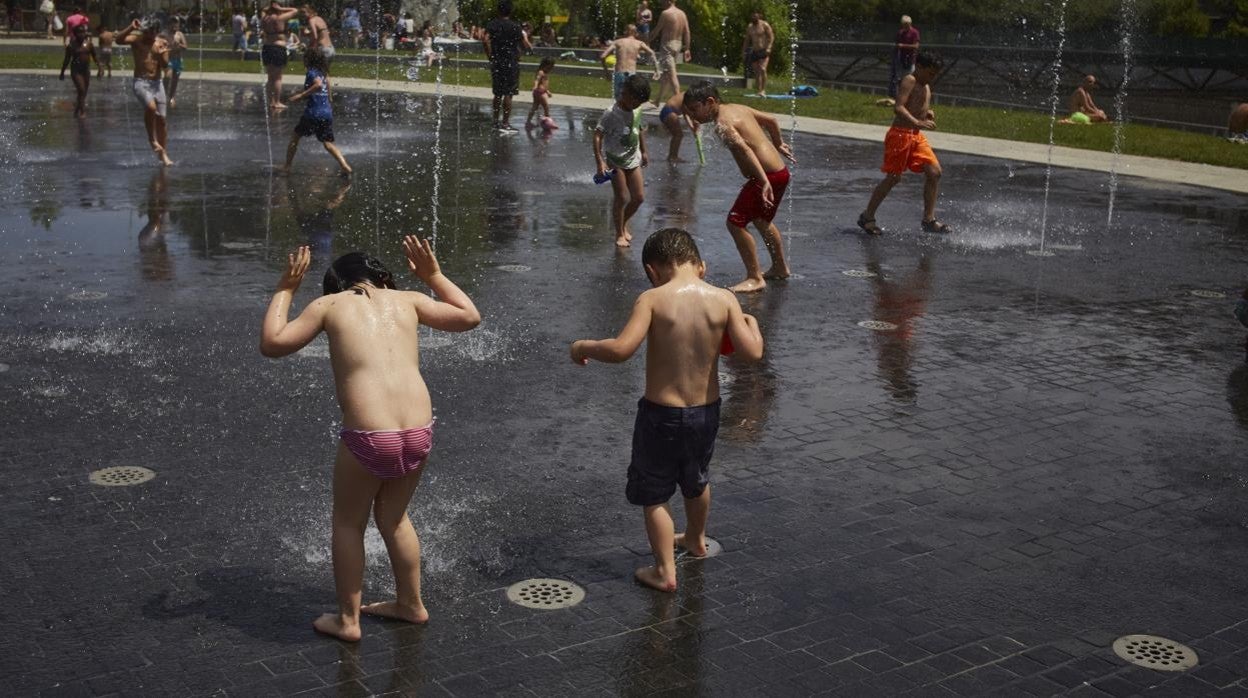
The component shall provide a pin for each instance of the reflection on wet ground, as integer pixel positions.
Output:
(899, 509)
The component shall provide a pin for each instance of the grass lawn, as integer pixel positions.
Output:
(839, 105)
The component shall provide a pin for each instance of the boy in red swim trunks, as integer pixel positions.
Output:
(906, 148)
(756, 144)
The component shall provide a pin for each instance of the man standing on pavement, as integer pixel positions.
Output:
(503, 41)
(671, 40)
(318, 31)
(905, 48)
(273, 53)
(759, 38)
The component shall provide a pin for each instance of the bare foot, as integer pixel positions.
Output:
(676, 159)
(392, 609)
(749, 286)
(650, 577)
(774, 273)
(279, 105)
(331, 624)
(622, 242)
(345, 172)
(694, 549)
(172, 103)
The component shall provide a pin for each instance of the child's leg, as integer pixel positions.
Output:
(545, 101)
(931, 189)
(775, 247)
(673, 124)
(532, 110)
(636, 196)
(342, 161)
(881, 190)
(354, 492)
(81, 82)
(162, 137)
(619, 194)
(662, 534)
(403, 545)
(291, 148)
(749, 257)
(696, 512)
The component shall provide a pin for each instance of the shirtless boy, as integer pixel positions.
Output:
(105, 61)
(683, 321)
(151, 57)
(627, 49)
(759, 37)
(756, 144)
(671, 35)
(273, 53)
(906, 148)
(1082, 109)
(674, 119)
(318, 31)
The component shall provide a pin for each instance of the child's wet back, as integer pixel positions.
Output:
(687, 325)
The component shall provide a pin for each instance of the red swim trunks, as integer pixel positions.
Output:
(906, 149)
(749, 205)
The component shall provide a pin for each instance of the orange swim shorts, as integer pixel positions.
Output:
(906, 149)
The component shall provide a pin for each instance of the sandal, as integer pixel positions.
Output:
(935, 226)
(869, 225)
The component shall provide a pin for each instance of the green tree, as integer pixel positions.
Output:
(718, 28)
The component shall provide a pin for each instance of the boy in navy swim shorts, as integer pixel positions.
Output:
(318, 116)
(684, 321)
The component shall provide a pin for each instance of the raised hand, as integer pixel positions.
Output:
(297, 264)
(420, 258)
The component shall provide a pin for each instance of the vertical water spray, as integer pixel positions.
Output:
(792, 99)
(268, 132)
(1053, 98)
(1125, 43)
(437, 155)
(723, 42)
(199, 88)
(377, 126)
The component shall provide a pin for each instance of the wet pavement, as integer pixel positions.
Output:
(1047, 453)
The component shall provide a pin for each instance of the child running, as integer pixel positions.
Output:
(627, 49)
(906, 148)
(757, 146)
(387, 417)
(177, 46)
(318, 116)
(151, 57)
(79, 53)
(105, 59)
(541, 92)
(683, 321)
(619, 141)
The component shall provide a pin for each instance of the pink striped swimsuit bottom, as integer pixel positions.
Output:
(390, 454)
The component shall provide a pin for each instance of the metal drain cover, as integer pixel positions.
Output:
(1202, 293)
(87, 296)
(858, 273)
(513, 267)
(545, 594)
(1156, 652)
(1041, 253)
(121, 476)
(713, 548)
(877, 325)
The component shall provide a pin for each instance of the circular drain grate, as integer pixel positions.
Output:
(858, 273)
(122, 476)
(1041, 253)
(1155, 652)
(545, 594)
(713, 548)
(1202, 293)
(87, 296)
(877, 325)
(513, 267)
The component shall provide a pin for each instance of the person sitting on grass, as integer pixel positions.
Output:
(1082, 109)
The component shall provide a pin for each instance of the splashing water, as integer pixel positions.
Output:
(199, 88)
(437, 155)
(1125, 43)
(792, 103)
(723, 42)
(1057, 79)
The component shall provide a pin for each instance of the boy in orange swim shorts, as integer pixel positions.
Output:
(906, 148)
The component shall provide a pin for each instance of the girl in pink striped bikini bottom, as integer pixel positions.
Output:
(390, 454)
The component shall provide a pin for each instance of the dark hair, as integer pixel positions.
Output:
(701, 91)
(504, 8)
(670, 246)
(638, 86)
(929, 59)
(353, 268)
(315, 59)
(547, 64)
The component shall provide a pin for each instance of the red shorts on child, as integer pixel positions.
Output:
(749, 205)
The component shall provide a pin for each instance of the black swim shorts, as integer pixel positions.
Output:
(505, 78)
(671, 446)
(323, 129)
(274, 55)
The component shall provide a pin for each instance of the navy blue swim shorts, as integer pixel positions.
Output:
(672, 446)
